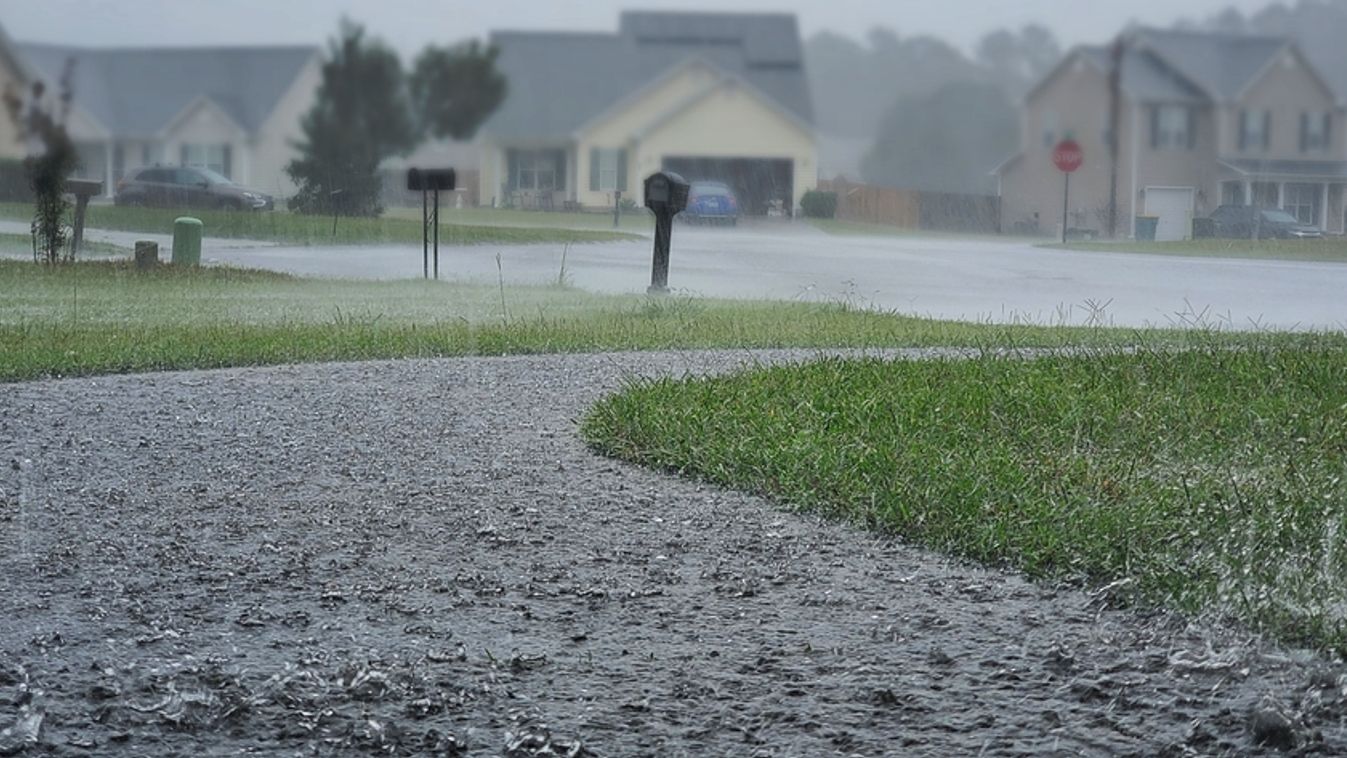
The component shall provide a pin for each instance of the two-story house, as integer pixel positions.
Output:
(1202, 120)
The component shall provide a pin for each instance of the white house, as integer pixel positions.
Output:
(236, 110)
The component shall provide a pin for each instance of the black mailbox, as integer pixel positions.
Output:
(666, 191)
(430, 179)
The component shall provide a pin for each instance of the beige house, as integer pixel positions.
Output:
(13, 81)
(1203, 120)
(712, 96)
(234, 110)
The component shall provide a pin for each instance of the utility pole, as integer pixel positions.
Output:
(1114, 123)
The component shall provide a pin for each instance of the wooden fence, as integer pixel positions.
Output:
(915, 209)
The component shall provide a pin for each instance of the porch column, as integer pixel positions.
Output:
(1323, 207)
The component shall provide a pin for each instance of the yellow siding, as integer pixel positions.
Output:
(695, 111)
(730, 123)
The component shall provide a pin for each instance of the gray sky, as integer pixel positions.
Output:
(410, 24)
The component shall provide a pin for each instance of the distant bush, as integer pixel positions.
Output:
(818, 204)
(14, 184)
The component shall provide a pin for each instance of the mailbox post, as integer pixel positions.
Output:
(666, 194)
(429, 182)
(82, 189)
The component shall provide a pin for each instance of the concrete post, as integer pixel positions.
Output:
(147, 255)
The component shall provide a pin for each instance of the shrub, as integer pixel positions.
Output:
(818, 204)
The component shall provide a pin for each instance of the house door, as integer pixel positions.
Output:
(1173, 206)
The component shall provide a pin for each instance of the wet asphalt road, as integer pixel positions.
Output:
(967, 279)
(980, 279)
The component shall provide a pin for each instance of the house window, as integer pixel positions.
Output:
(1051, 125)
(1302, 201)
(213, 157)
(1255, 130)
(608, 170)
(1172, 127)
(1315, 131)
(536, 170)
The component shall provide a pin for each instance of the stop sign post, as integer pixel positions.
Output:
(1067, 157)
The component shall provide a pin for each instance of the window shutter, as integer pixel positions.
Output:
(1328, 131)
(183, 150)
(1155, 126)
(1243, 130)
(511, 170)
(1267, 129)
(1192, 128)
(228, 161)
(622, 170)
(1304, 132)
(593, 169)
(559, 158)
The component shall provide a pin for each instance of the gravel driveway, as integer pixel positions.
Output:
(420, 557)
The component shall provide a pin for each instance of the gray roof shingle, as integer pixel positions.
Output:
(134, 93)
(1221, 64)
(1145, 77)
(560, 81)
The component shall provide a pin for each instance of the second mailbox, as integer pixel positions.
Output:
(666, 191)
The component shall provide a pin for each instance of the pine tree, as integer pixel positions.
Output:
(362, 116)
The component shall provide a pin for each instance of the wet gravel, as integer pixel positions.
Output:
(421, 557)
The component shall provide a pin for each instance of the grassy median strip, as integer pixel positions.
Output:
(1209, 480)
(22, 244)
(96, 318)
(296, 229)
(1327, 250)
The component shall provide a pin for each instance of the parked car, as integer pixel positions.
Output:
(176, 187)
(711, 202)
(1247, 222)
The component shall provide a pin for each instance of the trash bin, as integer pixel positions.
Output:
(187, 241)
(1204, 228)
(1146, 226)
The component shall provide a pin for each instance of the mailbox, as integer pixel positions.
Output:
(430, 179)
(667, 192)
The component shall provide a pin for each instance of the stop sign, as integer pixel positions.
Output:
(1067, 156)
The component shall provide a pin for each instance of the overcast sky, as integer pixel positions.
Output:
(410, 24)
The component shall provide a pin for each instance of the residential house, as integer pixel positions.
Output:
(13, 81)
(235, 110)
(1203, 119)
(709, 95)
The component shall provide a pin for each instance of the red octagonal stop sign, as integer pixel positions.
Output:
(1067, 156)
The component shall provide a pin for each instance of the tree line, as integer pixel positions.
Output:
(368, 109)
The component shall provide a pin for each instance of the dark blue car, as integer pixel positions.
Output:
(711, 202)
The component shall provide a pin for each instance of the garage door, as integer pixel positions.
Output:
(756, 182)
(1174, 207)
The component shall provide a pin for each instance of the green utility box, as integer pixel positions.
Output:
(1146, 226)
(187, 241)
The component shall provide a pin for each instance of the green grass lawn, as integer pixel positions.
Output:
(1208, 480)
(96, 318)
(636, 220)
(22, 244)
(1329, 249)
(290, 228)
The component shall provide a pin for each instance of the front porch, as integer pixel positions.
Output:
(1315, 192)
